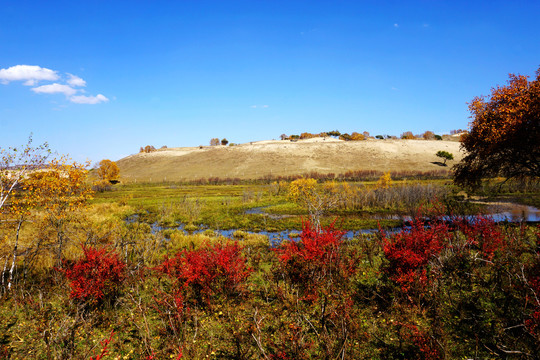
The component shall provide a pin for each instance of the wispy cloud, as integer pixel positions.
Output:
(55, 89)
(83, 99)
(396, 25)
(67, 84)
(30, 74)
(74, 80)
(259, 106)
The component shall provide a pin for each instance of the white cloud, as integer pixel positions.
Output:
(83, 99)
(74, 80)
(258, 106)
(30, 74)
(396, 25)
(55, 89)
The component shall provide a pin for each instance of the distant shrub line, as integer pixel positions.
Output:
(351, 175)
(355, 136)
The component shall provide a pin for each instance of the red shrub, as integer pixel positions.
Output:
(533, 324)
(317, 257)
(427, 347)
(484, 233)
(410, 251)
(208, 271)
(533, 279)
(96, 276)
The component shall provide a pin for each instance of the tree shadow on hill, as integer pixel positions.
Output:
(439, 163)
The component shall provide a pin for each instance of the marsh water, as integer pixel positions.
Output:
(499, 212)
(513, 212)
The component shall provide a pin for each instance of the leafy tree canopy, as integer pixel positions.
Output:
(108, 170)
(504, 137)
(445, 155)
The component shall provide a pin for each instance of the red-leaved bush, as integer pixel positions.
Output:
(316, 260)
(207, 271)
(533, 275)
(427, 347)
(484, 234)
(408, 252)
(96, 276)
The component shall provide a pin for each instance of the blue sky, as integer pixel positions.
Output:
(99, 79)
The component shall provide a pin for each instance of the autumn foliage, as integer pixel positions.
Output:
(314, 259)
(533, 273)
(428, 135)
(408, 252)
(108, 170)
(385, 181)
(408, 135)
(96, 276)
(208, 271)
(504, 133)
(147, 149)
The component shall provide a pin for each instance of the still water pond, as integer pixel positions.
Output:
(513, 212)
(499, 212)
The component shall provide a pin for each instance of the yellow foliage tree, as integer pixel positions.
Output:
(108, 170)
(316, 199)
(408, 135)
(302, 190)
(15, 166)
(357, 136)
(428, 135)
(30, 188)
(147, 149)
(385, 181)
(306, 135)
(59, 191)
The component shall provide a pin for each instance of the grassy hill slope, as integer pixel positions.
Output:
(257, 159)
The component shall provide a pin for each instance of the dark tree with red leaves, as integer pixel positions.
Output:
(504, 135)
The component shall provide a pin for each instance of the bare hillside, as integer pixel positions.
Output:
(257, 159)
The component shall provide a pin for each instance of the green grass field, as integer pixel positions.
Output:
(225, 206)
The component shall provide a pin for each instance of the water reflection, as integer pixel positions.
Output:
(497, 211)
(275, 237)
(513, 212)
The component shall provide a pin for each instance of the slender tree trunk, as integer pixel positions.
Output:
(12, 270)
(4, 273)
(59, 251)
